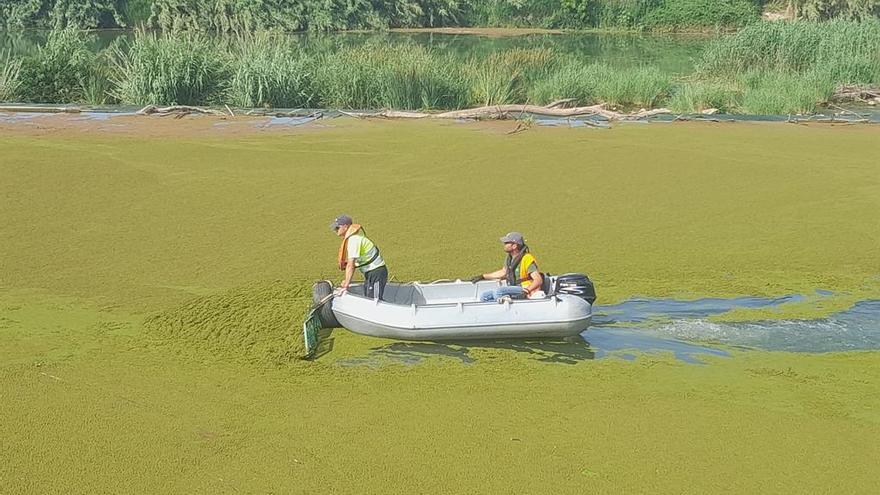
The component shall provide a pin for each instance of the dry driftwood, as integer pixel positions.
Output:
(505, 111)
(36, 109)
(181, 110)
(857, 92)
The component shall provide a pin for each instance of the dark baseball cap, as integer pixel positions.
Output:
(514, 237)
(339, 221)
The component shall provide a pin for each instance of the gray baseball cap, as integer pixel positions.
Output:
(515, 237)
(339, 221)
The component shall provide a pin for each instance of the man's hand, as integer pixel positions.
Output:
(477, 278)
(344, 285)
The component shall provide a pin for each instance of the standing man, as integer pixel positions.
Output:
(358, 251)
(520, 270)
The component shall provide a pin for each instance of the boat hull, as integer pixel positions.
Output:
(452, 311)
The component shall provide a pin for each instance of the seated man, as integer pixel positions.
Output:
(520, 270)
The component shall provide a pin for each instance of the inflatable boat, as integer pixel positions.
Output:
(452, 310)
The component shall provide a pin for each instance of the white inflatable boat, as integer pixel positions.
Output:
(453, 311)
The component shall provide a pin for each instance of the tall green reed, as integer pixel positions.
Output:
(403, 76)
(9, 76)
(174, 68)
(796, 46)
(59, 69)
(777, 92)
(270, 70)
(505, 77)
(594, 83)
(695, 96)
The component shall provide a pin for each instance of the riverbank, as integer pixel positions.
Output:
(807, 66)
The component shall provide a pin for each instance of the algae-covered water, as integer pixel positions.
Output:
(151, 287)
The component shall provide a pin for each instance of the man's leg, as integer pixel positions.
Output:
(381, 280)
(375, 281)
(515, 291)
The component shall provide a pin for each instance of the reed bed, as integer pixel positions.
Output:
(10, 69)
(184, 69)
(767, 69)
(59, 71)
(270, 70)
(850, 49)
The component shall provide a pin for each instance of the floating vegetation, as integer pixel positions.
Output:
(257, 323)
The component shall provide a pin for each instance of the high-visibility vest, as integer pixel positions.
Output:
(342, 259)
(522, 277)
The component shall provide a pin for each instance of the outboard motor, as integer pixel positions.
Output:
(575, 284)
(319, 293)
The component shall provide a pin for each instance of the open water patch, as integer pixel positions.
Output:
(683, 328)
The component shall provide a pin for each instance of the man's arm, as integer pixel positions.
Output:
(354, 247)
(537, 280)
(496, 275)
(349, 273)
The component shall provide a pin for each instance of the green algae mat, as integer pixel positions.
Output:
(152, 292)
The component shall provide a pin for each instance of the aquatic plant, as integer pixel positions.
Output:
(256, 323)
(780, 92)
(270, 70)
(404, 76)
(797, 46)
(58, 71)
(97, 87)
(592, 83)
(695, 96)
(9, 76)
(174, 68)
(505, 77)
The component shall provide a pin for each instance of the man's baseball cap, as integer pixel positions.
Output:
(340, 221)
(514, 237)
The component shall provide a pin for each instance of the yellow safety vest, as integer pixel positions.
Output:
(522, 278)
(524, 265)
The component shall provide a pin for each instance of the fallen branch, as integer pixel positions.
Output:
(857, 92)
(183, 110)
(563, 103)
(504, 112)
(36, 109)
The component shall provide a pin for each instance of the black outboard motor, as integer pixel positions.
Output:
(575, 284)
(319, 293)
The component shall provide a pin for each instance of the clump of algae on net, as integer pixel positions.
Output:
(258, 323)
